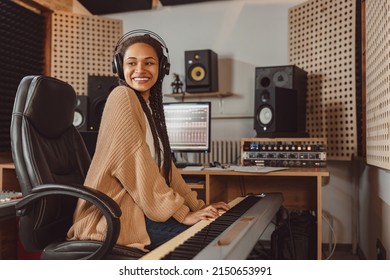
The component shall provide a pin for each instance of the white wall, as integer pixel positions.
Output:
(245, 34)
(374, 209)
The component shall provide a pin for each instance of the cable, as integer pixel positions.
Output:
(293, 249)
(324, 216)
(242, 186)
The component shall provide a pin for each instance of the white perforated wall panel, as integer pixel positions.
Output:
(322, 38)
(378, 82)
(82, 45)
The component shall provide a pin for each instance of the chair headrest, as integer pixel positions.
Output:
(50, 105)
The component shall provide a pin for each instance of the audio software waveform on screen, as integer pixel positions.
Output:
(188, 125)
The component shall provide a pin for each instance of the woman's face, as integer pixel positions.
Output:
(140, 67)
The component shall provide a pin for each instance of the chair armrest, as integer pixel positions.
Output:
(108, 207)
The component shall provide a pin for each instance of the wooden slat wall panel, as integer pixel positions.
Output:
(82, 45)
(378, 82)
(322, 41)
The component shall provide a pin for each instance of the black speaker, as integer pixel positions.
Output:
(99, 87)
(201, 68)
(276, 112)
(80, 120)
(90, 140)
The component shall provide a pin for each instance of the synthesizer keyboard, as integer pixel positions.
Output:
(231, 236)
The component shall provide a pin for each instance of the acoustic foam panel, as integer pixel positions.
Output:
(22, 34)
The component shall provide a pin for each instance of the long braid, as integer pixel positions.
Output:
(152, 124)
(156, 121)
(159, 118)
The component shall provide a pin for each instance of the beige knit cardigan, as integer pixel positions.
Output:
(124, 169)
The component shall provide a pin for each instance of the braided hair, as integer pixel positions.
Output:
(155, 116)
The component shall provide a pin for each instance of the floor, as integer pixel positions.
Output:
(263, 251)
(342, 252)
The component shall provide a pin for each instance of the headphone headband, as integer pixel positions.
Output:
(140, 32)
(117, 64)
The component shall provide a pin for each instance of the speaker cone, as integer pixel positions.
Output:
(265, 82)
(197, 73)
(265, 96)
(280, 79)
(265, 116)
(78, 119)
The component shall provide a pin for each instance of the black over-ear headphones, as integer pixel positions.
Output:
(117, 63)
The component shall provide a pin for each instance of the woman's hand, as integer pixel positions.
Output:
(208, 212)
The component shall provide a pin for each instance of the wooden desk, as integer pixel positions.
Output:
(301, 188)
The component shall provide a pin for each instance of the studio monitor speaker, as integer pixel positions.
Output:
(99, 87)
(280, 101)
(90, 140)
(275, 112)
(80, 120)
(201, 68)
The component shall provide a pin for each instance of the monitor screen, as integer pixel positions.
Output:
(188, 125)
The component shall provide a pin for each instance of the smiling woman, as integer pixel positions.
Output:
(132, 161)
(140, 68)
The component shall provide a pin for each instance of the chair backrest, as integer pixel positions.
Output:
(46, 148)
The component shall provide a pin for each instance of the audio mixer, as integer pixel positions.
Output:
(283, 152)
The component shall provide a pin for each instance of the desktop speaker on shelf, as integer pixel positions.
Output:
(201, 68)
(80, 120)
(99, 87)
(280, 101)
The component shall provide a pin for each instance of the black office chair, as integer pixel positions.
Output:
(51, 162)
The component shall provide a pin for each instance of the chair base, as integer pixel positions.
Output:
(82, 249)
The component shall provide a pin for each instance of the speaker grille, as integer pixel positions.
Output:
(22, 34)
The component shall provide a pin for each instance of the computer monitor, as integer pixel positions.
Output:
(188, 125)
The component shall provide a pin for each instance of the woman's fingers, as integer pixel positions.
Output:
(221, 205)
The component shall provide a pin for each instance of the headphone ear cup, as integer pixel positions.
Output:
(164, 66)
(117, 66)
